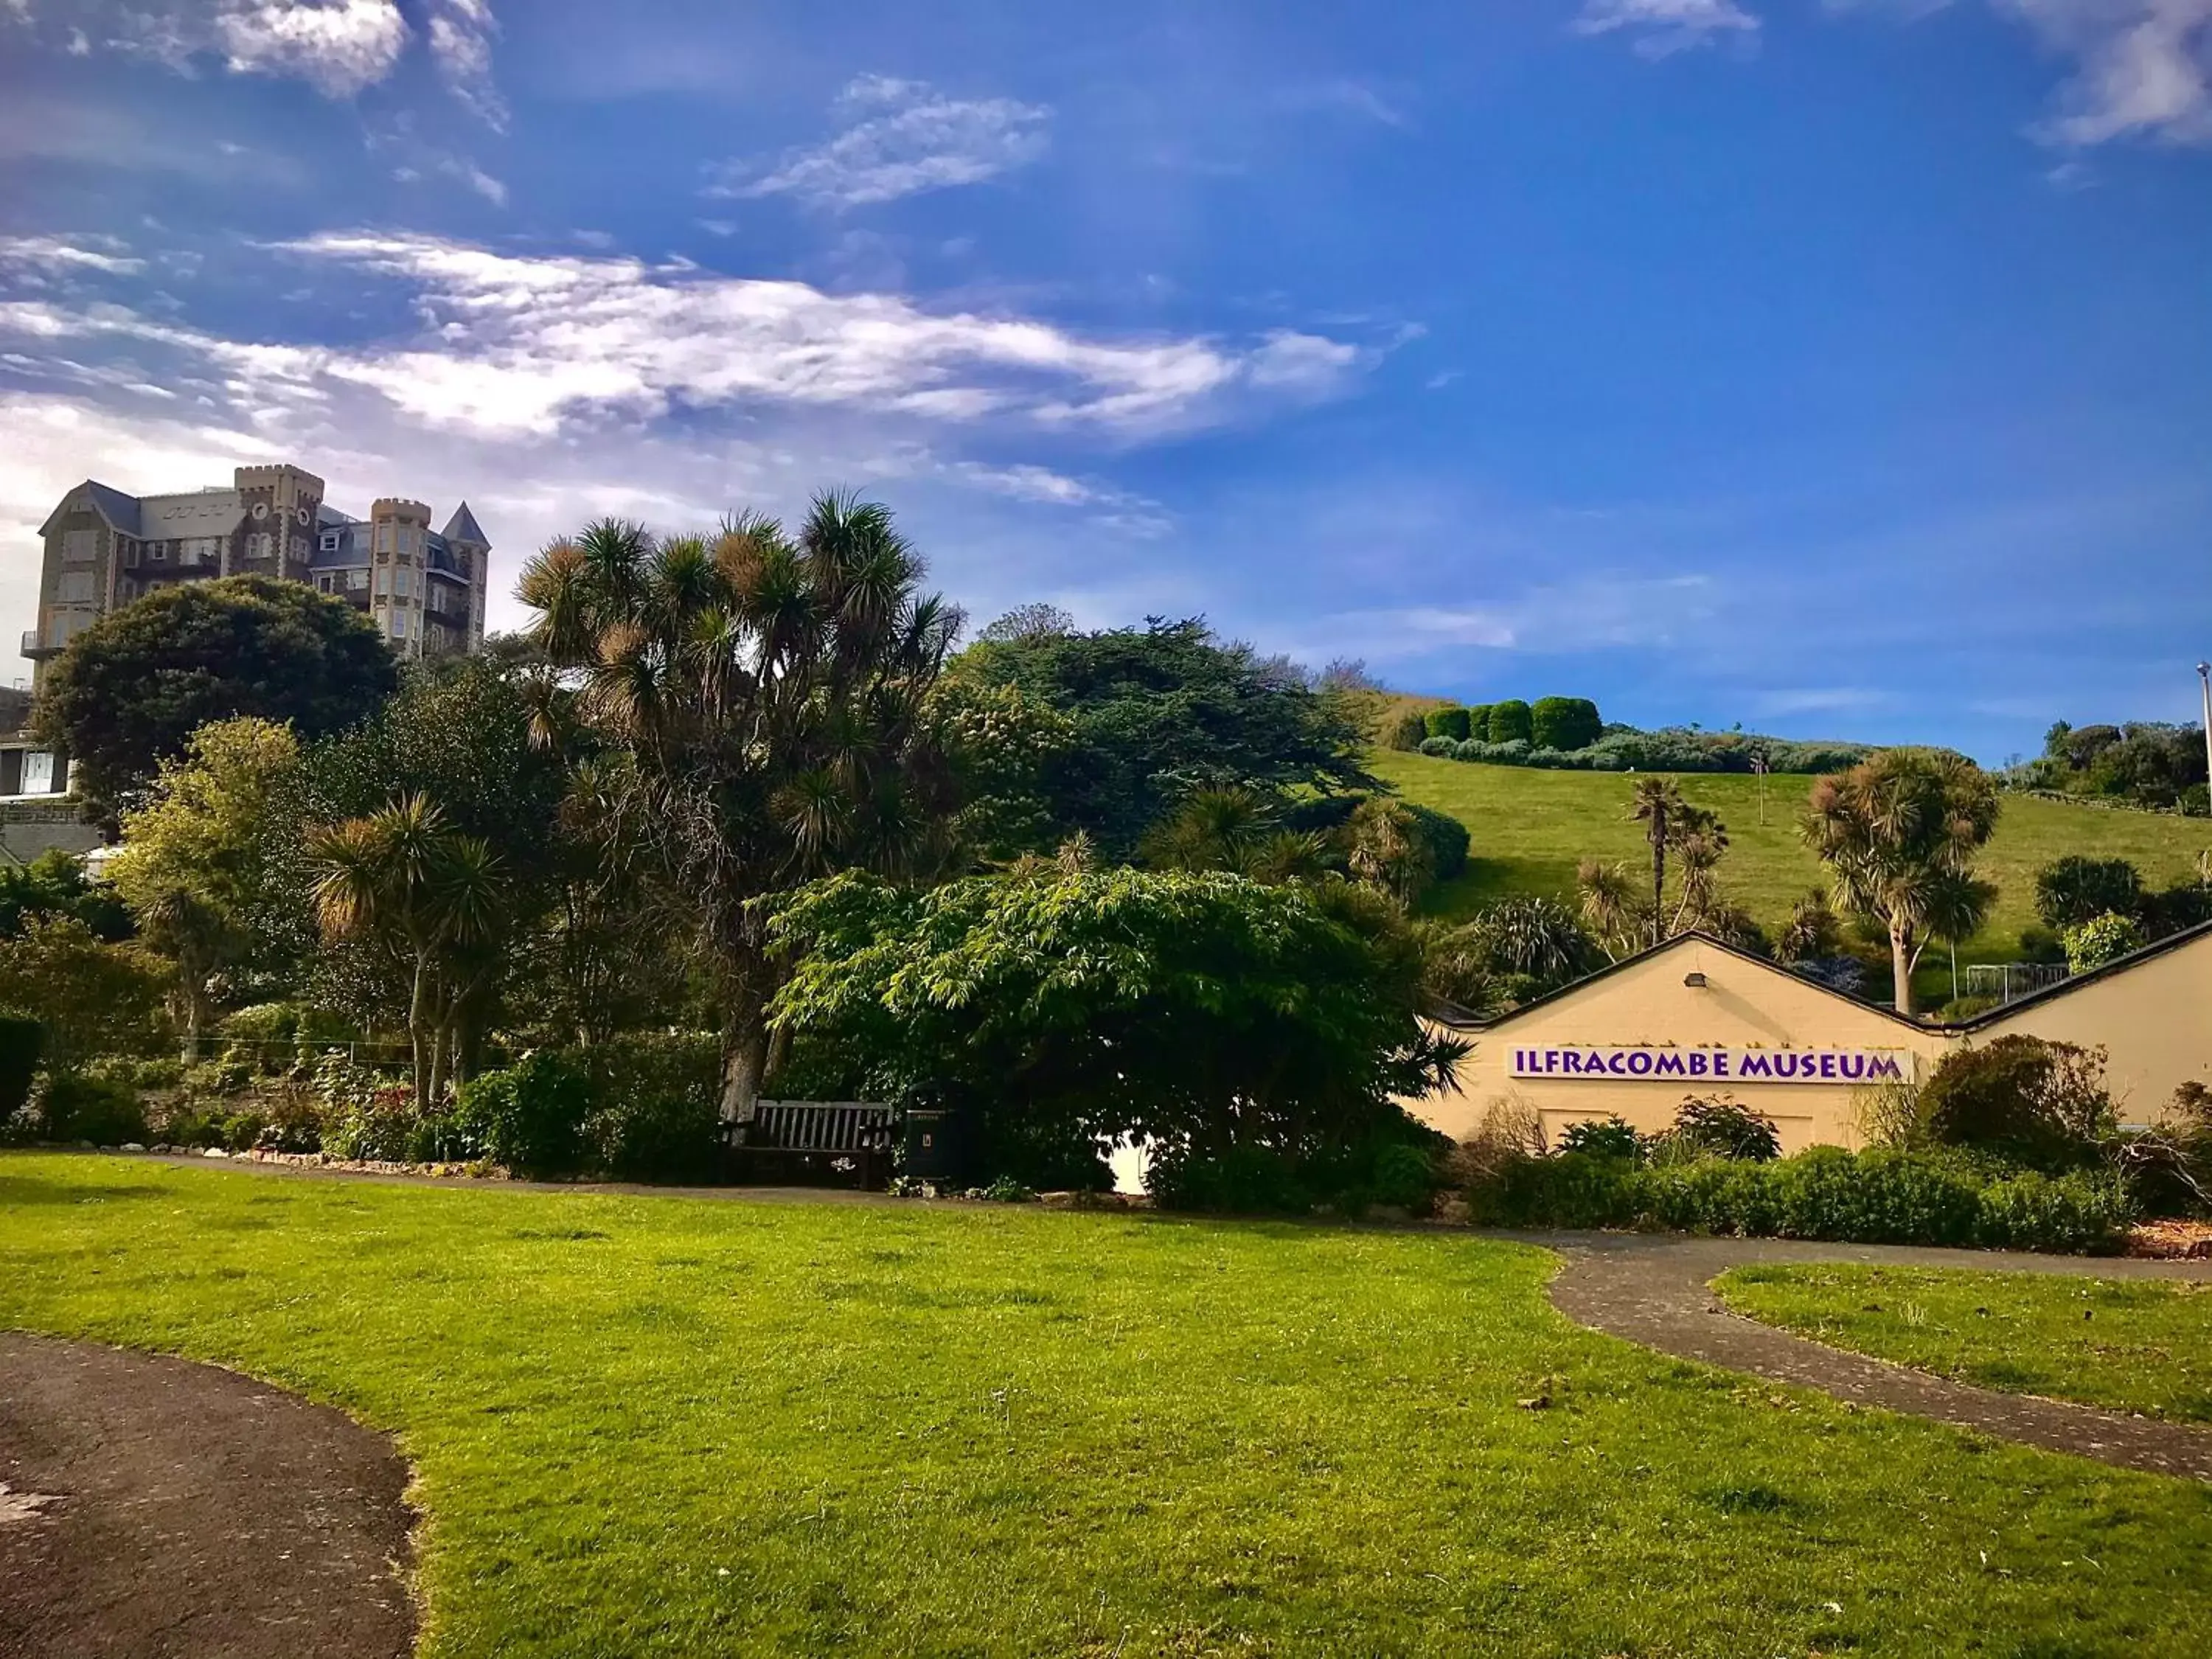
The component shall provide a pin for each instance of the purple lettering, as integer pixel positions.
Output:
(1639, 1063)
(1854, 1065)
(1883, 1066)
(1551, 1060)
(1757, 1065)
(1720, 1062)
(1827, 1065)
(1697, 1064)
(1671, 1065)
(1571, 1063)
(1616, 1063)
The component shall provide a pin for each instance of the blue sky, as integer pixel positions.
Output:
(1840, 369)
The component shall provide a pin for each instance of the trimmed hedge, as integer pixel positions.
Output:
(1511, 721)
(1565, 723)
(1874, 1197)
(1447, 722)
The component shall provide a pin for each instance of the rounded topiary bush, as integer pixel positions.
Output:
(1565, 723)
(1441, 748)
(1511, 721)
(528, 1117)
(98, 1109)
(1449, 722)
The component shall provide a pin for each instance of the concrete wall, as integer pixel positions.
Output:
(2153, 1019)
(1742, 1005)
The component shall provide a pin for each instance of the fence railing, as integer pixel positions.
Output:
(2007, 982)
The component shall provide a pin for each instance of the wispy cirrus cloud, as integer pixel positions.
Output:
(903, 138)
(1659, 28)
(2141, 67)
(461, 33)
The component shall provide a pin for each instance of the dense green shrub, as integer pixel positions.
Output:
(1449, 721)
(1565, 723)
(2100, 940)
(656, 1107)
(1446, 838)
(74, 1107)
(1441, 748)
(1407, 730)
(1242, 1180)
(530, 1116)
(20, 1042)
(1510, 721)
(1610, 1137)
(2037, 1104)
(1716, 1126)
(2071, 890)
(1396, 1170)
(1875, 1197)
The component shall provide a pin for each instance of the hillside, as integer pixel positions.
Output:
(1528, 829)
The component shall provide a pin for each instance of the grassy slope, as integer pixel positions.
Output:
(662, 1426)
(2125, 1344)
(1530, 827)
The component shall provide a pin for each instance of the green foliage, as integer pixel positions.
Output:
(655, 1106)
(1565, 723)
(129, 691)
(1715, 1126)
(1447, 722)
(2039, 1104)
(2144, 763)
(93, 998)
(1510, 721)
(2100, 940)
(2076, 889)
(1607, 1136)
(1407, 730)
(1203, 1011)
(21, 1041)
(1162, 711)
(1005, 746)
(1446, 838)
(1394, 1168)
(1880, 1196)
(74, 1107)
(530, 1116)
(54, 884)
(1512, 951)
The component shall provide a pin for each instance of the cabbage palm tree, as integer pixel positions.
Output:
(402, 880)
(1656, 803)
(1898, 834)
(759, 699)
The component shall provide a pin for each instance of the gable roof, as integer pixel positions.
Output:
(2157, 947)
(121, 511)
(462, 527)
(1693, 937)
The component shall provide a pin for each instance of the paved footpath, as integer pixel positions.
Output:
(1655, 1290)
(155, 1508)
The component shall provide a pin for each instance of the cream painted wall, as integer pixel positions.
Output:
(2153, 1020)
(1743, 1004)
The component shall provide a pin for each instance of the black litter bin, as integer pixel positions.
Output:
(931, 1148)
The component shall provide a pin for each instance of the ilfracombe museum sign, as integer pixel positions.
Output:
(1646, 1063)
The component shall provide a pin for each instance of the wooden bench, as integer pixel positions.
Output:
(813, 1143)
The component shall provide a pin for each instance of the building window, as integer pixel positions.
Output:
(74, 587)
(357, 580)
(80, 546)
(38, 772)
(399, 583)
(331, 543)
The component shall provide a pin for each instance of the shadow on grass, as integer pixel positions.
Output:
(26, 1192)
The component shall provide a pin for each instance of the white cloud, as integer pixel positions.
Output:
(338, 48)
(461, 33)
(908, 138)
(2141, 66)
(58, 253)
(1603, 609)
(465, 171)
(1661, 28)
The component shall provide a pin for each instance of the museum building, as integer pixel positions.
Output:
(1696, 1017)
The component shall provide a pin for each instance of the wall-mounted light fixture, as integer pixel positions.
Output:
(1695, 982)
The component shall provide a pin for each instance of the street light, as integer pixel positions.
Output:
(2204, 680)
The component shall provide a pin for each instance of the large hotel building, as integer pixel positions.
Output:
(424, 588)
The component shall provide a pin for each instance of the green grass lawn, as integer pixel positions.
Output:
(664, 1426)
(2129, 1345)
(1529, 828)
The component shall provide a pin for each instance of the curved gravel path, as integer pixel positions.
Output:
(163, 1509)
(1655, 1290)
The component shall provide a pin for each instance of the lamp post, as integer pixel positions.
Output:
(2204, 681)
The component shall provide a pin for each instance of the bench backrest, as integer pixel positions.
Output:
(813, 1126)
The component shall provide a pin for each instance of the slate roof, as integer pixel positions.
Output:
(462, 527)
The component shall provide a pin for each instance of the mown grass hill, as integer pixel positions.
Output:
(1528, 829)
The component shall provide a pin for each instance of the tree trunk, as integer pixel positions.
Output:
(417, 1013)
(1900, 967)
(744, 1067)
